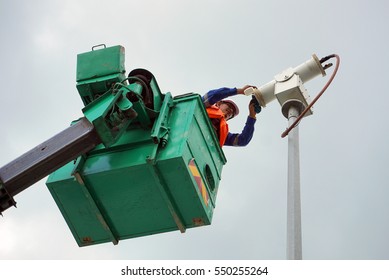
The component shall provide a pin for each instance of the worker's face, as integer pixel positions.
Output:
(226, 109)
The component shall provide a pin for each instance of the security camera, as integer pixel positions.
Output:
(289, 84)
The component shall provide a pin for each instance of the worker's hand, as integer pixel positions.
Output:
(241, 90)
(254, 108)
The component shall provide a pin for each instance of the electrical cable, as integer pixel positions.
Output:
(286, 132)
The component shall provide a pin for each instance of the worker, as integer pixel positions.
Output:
(220, 111)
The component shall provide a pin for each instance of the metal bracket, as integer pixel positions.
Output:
(78, 165)
(160, 129)
(167, 197)
(90, 197)
(108, 121)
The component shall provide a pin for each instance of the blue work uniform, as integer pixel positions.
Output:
(233, 139)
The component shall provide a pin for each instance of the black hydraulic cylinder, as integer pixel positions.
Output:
(45, 158)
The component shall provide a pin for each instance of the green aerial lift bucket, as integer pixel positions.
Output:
(158, 177)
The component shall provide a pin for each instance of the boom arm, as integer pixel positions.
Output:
(45, 158)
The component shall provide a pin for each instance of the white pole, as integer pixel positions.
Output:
(294, 243)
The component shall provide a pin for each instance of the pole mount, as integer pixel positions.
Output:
(298, 104)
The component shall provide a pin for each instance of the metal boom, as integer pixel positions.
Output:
(45, 158)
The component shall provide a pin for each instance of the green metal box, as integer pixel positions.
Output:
(99, 63)
(97, 70)
(138, 187)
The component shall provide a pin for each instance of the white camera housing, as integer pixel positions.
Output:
(289, 84)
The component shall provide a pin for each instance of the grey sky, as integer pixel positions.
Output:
(194, 46)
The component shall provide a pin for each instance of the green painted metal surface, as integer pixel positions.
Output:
(110, 114)
(159, 165)
(98, 70)
(154, 179)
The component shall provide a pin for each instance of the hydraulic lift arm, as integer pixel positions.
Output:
(45, 158)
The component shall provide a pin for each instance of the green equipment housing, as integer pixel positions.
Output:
(157, 167)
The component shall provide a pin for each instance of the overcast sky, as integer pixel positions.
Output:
(195, 46)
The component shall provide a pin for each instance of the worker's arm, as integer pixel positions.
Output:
(215, 95)
(242, 139)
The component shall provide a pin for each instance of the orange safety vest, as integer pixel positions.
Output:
(215, 113)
